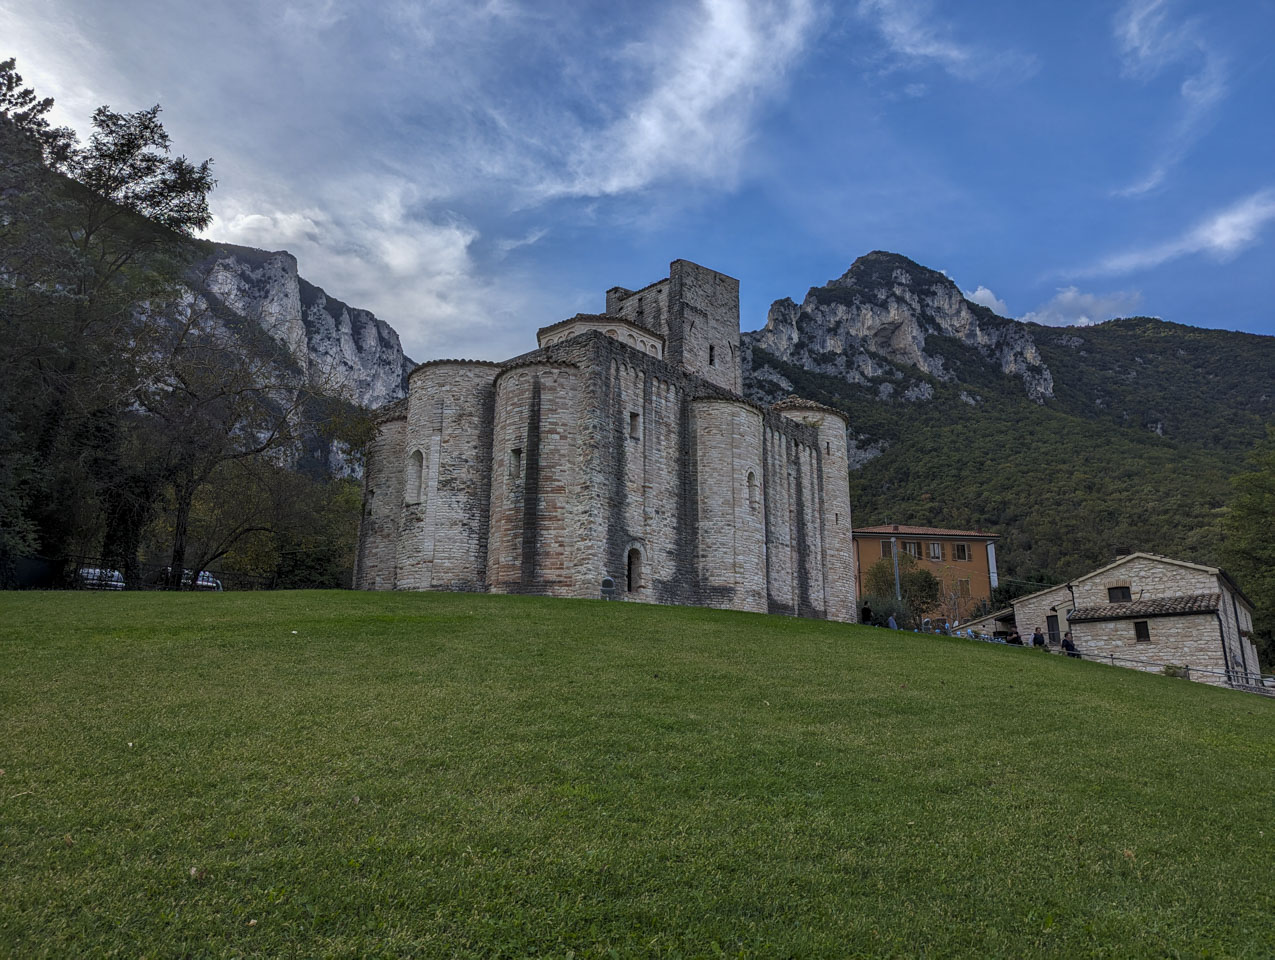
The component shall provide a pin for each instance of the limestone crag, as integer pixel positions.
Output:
(887, 317)
(338, 349)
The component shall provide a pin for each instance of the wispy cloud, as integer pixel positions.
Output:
(696, 115)
(1222, 235)
(1070, 307)
(916, 35)
(1150, 43)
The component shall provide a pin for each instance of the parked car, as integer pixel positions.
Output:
(205, 580)
(100, 578)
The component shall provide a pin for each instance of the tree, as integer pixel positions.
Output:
(94, 242)
(920, 588)
(1249, 550)
(26, 112)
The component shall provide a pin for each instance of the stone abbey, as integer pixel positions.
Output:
(621, 448)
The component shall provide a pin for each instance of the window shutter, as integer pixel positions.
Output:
(943, 551)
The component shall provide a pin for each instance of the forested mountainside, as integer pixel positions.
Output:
(1074, 443)
(168, 403)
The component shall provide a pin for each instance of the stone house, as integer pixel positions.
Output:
(1144, 611)
(620, 453)
(964, 561)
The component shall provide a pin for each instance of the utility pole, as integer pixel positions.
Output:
(894, 550)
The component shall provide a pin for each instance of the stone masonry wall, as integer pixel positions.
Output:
(648, 307)
(1147, 579)
(1031, 612)
(643, 492)
(533, 480)
(1191, 640)
(443, 533)
(376, 560)
(731, 543)
(703, 324)
(838, 544)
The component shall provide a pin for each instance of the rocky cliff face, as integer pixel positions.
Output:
(340, 350)
(886, 319)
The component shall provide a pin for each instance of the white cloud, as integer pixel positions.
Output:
(1150, 44)
(373, 249)
(486, 107)
(1222, 235)
(988, 299)
(695, 118)
(1069, 307)
(915, 35)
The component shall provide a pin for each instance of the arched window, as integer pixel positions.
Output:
(415, 477)
(633, 576)
(752, 491)
(632, 340)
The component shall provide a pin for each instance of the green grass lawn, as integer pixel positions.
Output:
(352, 774)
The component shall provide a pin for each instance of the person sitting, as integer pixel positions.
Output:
(1014, 638)
(1038, 639)
(1069, 645)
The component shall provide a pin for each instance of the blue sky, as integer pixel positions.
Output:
(471, 171)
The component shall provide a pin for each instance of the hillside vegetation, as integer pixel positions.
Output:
(1075, 444)
(1065, 492)
(341, 774)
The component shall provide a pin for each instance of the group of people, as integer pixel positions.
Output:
(1037, 638)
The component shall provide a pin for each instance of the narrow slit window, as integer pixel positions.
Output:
(712, 357)
(635, 425)
(415, 476)
(515, 463)
(752, 491)
(633, 572)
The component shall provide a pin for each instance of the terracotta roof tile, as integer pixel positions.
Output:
(905, 530)
(1159, 607)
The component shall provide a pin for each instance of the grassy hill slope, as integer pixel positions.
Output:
(341, 774)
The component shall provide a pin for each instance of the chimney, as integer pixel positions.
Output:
(896, 528)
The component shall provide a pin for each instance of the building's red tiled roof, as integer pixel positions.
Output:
(1161, 607)
(901, 529)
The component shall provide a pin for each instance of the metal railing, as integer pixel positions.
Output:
(1239, 679)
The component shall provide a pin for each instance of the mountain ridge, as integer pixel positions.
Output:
(346, 350)
(1074, 443)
